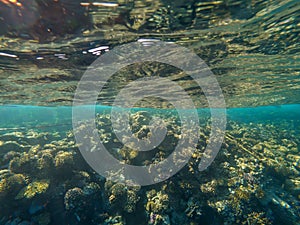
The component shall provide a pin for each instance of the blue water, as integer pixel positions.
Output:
(59, 118)
(16, 117)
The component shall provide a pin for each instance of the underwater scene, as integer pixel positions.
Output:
(139, 112)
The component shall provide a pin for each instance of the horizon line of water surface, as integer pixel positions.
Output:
(17, 116)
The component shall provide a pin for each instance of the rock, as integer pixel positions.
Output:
(74, 199)
(64, 163)
(33, 189)
(12, 146)
(11, 185)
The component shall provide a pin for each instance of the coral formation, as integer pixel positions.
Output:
(10, 185)
(74, 199)
(64, 160)
(252, 180)
(121, 198)
(33, 189)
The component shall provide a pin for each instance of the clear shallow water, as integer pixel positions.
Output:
(25, 117)
(252, 47)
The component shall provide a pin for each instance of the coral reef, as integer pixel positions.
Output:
(33, 189)
(10, 185)
(64, 160)
(157, 207)
(74, 199)
(121, 198)
(253, 180)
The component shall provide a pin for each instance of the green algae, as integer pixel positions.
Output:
(11, 184)
(33, 189)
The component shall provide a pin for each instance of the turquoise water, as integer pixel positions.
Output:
(12, 117)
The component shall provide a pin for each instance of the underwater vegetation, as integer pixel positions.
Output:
(254, 179)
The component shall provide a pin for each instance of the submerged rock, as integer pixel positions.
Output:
(45, 164)
(74, 199)
(158, 202)
(8, 146)
(25, 164)
(10, 185)
(117, 220)
(64, 163)
(33, 189)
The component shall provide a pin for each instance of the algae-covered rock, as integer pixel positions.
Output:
(9, 156)
(293, 185)
(158, 202)
(11, 146)
(128, 153)
(64, 162)
(82, 205)
(10, 185)
(132, 199)
(117, 220)
(118, 194)
(74, 199)
(257, 218)
(4, 173)
(45, 164)
(139, 119)
(33, 189)
(25, 163)
(91, 189)
(121, 197)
